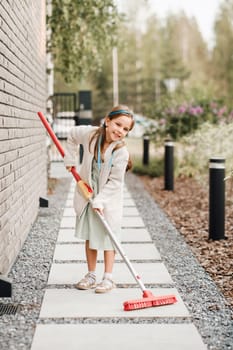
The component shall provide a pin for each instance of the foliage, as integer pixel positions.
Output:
(181, 115)
(194, 151)
(80, 31)
(170, 50)
(155, 168)
(147, 59)
(172, 65)
(222, 63)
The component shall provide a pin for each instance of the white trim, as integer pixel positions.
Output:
(216, 165)
(169, 143)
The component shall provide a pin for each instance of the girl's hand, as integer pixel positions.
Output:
(68, 168)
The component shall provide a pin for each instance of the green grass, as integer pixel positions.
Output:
(155, 168)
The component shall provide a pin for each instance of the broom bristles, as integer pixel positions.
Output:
(151, 301)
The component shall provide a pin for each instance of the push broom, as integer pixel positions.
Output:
(148, 299)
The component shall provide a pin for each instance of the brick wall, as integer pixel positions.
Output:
(22, 138)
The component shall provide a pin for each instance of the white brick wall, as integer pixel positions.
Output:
(23, 176)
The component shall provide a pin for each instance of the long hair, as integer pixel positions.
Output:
(100, 133)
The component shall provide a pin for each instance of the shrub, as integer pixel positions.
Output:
(209, 141)
(178, 116)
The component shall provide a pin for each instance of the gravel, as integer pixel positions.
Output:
(30, 272)
(210, 312)
(205, 303)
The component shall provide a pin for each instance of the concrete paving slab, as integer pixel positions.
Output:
(132, 221)
(128, 202)
(66, 235)
(69, 203)
(127, 195)
(59, 303)
(58, 170)
(128, 235)
(72, 184)
(128, 211)
(142, 251)
(129, 221)
(117, 336)
(137, 234)
(69, 212)
(68, 222)
(71, 273)
(70, 195)
(125, 192)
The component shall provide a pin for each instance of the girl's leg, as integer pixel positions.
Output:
(107, 284)
(89, 281)
(91, 255)
(109, 257)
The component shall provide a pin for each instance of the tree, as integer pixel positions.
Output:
(149, 57)
(80, 30)
(222, 56)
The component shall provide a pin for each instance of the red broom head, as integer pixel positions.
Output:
(149, 301)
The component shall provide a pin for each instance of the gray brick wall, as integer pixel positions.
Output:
(23, 177)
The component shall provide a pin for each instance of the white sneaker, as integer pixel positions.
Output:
(88, 282)
(105, 286)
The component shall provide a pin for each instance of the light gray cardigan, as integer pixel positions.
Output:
(111, 179)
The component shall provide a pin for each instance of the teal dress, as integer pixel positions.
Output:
(88, 226)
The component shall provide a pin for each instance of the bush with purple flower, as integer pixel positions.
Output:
(179, 119)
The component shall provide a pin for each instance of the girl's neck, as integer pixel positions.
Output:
(107, 142)
(105, 145)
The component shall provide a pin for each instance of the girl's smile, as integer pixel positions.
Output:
(117, 128)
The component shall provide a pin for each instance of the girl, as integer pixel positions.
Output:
(105, 160)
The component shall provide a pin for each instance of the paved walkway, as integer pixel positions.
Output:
(72, 319)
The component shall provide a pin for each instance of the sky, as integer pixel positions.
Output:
(204, 11)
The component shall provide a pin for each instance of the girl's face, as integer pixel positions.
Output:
(117, 128)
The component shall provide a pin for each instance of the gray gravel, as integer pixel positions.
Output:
(30, 272)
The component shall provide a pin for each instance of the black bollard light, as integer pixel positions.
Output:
(169, 165)
(146, 143)
(5, 287)
(216, 198)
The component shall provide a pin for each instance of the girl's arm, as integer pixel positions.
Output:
(76, 136)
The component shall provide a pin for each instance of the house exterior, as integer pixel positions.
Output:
(23, 168)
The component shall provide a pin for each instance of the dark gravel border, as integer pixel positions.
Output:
(30, 272)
